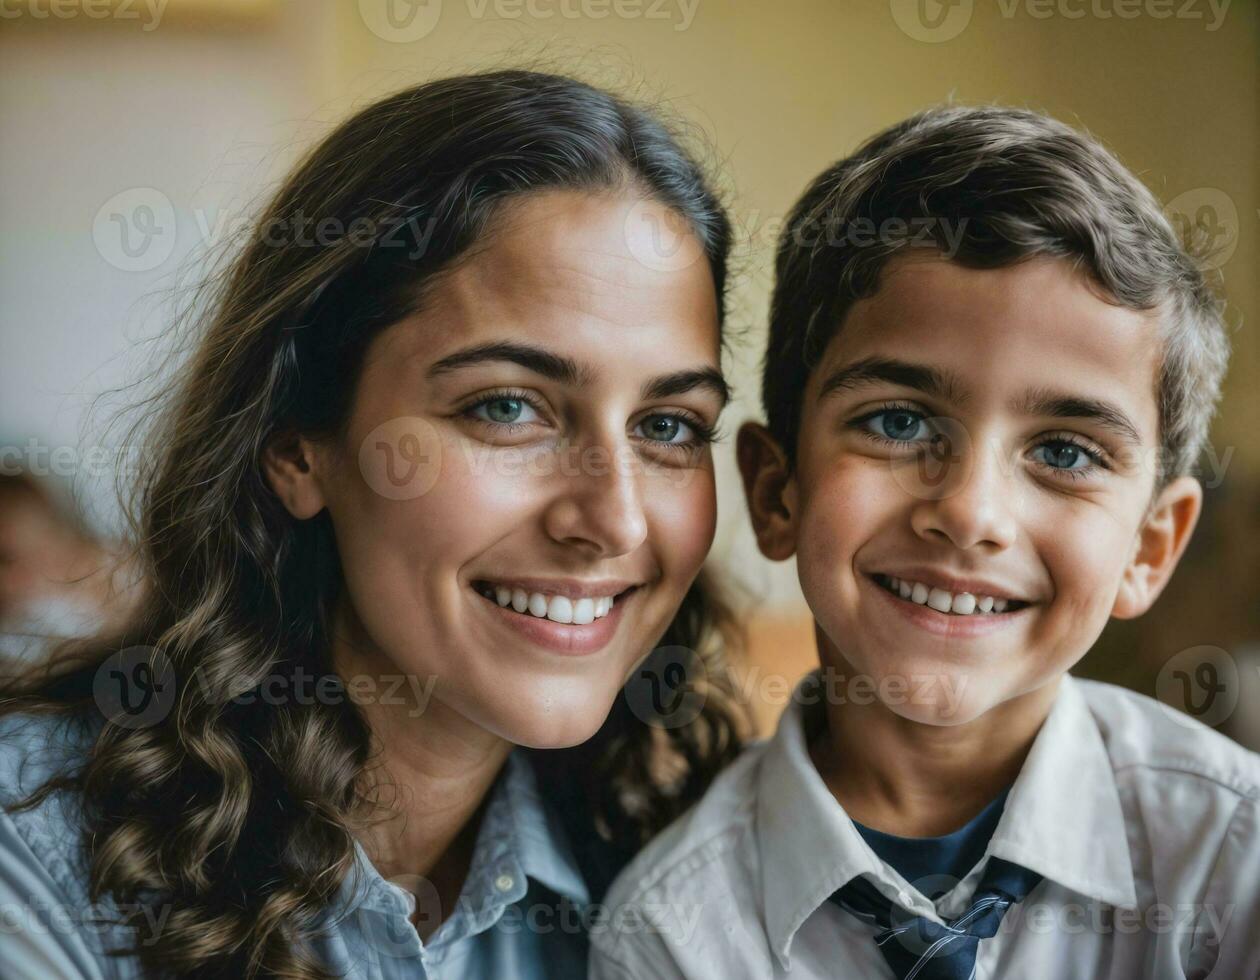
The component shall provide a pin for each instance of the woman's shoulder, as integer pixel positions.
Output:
(35, 748)
(44, 879)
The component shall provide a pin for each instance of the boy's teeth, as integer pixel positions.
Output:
(962, 604)
(557, 608)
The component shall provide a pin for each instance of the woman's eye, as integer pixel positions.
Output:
(896, 424)
(505, 411)
(664, 428)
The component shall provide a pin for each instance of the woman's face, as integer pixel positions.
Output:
(535, 436)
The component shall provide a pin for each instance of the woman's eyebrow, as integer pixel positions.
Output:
(565, 370)
(680, 382)
(555, 367)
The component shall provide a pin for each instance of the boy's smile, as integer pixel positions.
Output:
(975, 462)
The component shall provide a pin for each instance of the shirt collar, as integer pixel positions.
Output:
(808, 845)
(1077, 838)
(1063, 817)
(537, 838)
(519, 838)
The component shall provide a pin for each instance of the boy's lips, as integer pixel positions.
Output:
(949, 582)
(945, 625)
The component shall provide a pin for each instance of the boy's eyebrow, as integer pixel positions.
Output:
(1037, 401)
(566, 371)
(1064, 405)
(873, 370)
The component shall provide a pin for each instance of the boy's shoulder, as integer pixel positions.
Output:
(693, 881)
(702, 837)
(1143, 734)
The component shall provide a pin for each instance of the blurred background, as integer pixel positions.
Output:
(137, 136)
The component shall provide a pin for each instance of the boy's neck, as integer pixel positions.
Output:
(914, 779)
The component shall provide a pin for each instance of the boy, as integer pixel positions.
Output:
(990, 372)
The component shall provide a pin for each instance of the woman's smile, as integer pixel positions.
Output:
(568, 617)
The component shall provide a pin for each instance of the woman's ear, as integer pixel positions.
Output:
(769, 488)
(288, 463)
(1158, 547)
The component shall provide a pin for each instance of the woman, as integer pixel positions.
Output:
(432, 484)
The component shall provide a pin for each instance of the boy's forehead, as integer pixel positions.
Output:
(998, 334)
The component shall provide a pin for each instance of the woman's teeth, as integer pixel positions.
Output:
(958, 604)
(557, 608)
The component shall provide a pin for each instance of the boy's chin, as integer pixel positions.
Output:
(945, 713)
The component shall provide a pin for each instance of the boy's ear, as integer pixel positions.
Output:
(288, 463)
(769, 489)
(1159, 546)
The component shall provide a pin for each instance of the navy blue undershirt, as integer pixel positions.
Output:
(955, 854)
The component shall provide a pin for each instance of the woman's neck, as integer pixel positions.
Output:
(913, 779)
(431, 771)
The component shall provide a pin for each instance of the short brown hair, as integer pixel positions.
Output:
(988, 187)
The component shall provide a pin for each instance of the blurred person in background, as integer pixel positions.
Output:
(55, 574)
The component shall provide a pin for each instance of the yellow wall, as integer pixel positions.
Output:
(780, 89)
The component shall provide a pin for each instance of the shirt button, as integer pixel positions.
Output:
(504, 883)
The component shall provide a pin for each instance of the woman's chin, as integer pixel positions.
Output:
(560, 731)
(547, 718)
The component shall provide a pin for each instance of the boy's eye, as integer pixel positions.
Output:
(1061, 455)
(897, 424)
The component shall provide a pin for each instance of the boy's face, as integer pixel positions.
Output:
(992, 432)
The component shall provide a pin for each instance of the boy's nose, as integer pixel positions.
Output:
(969, 503)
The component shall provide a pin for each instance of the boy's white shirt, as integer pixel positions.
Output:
(1145, 826)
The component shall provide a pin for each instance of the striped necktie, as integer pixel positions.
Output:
(920, 949)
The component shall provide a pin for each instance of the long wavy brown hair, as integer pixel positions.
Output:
(239, 815)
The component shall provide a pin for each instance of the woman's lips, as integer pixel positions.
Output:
(566, 639)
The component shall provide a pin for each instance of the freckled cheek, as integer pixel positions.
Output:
(1085, 559)
(681, 513)
(466, 510)
(841, 510)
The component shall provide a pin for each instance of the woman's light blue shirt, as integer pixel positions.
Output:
(522, 912)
